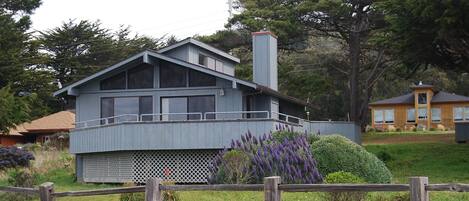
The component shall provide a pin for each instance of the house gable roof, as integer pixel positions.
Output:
(147, 53)
(201, 45)
(404, 99)
(57, 122)
(439, 97)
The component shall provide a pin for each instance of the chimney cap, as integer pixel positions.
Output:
(263, 32)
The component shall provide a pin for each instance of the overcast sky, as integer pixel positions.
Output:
(182, 18)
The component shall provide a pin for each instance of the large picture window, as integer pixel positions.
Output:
(176, 108)
(117, 106)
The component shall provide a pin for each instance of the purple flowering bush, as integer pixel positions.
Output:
(259, 157)
(13, 157)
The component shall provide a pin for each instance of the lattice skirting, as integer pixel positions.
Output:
(181, 166)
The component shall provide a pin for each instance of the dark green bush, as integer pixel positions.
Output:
(384, 156)
(335, 153)
(344, 178)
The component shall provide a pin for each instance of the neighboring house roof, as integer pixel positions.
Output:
(202, 45)
(145, 54)
(404, 99)
(58, 122)
(422, 86)
(445, 97)
(439, 97)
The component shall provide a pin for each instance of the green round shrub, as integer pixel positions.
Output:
(335, 153)
(342, 177)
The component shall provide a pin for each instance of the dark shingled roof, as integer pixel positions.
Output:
(422, 86)
(443, 97)
(404, 99)
(439, 97)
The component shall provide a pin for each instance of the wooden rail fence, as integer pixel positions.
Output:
(418, 188)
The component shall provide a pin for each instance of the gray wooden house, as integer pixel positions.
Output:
(166, 113)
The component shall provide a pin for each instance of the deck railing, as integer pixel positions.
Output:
(418, 188)
(191, 116)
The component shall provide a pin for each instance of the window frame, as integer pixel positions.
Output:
(187, 103)
(462, 114)
(126, 77)
(215, 61)
(114, 104)
(407, 115)
(433, 109)
(418, 113)
(418, 98)
(139, 69)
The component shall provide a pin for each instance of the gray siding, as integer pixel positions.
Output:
(166, 135)
(265, 60)
(349, 130)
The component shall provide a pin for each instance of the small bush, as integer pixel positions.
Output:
(290, 159)
(335, 153)
(344, 178)
(13, 157)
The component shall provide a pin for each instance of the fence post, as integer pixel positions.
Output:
(152, 190)
(45, 191)
(271, 192)
(417, 189)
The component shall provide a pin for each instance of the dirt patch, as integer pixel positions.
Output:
(398, 139)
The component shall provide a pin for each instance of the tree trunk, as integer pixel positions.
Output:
(354, 47)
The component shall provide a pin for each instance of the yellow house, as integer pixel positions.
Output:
(423, 108)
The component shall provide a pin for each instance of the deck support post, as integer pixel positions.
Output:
(152, 190)
(271, 191)
(45, 191)
(417, 189)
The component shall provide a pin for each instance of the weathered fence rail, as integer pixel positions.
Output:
(418, 188)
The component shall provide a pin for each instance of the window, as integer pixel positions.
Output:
(171, 106)
(114, 82)
(141, 77)
(422, 98)
(172, 76)
(458, 113)
(115, 106)
(389, 116)
(219, 66)
(422, 112)
(198, 79)
(411, 115)
(211, 63)
(201, 104)
(436, 114)
(378, 116)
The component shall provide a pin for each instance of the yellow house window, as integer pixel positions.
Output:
(436, 114)
(384, 116)
(411, 115)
